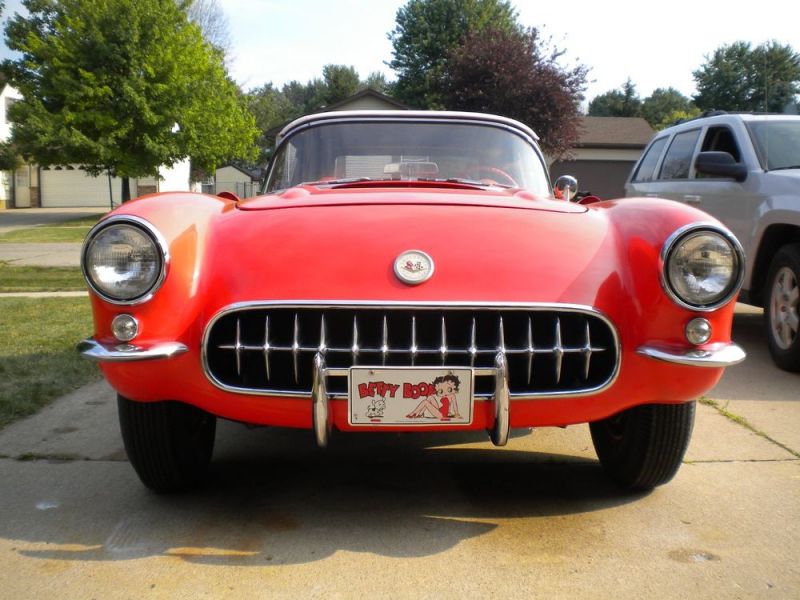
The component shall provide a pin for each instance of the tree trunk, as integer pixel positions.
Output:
(126, 189)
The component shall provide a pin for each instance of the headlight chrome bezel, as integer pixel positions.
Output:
(673, 242)
(150, 231)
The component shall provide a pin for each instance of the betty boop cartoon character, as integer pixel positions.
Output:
(443, 404)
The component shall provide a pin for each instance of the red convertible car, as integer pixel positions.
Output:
(410, 271)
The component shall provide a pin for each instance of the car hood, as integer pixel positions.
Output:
(344, 248)
(413, 193)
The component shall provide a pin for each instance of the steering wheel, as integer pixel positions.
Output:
(493, 172)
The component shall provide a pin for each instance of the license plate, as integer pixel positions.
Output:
(413, 396)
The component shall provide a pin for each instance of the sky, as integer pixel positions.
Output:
(653, 44)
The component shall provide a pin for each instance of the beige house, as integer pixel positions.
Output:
(61, 186)
(236, 180)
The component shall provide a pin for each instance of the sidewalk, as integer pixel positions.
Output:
(41, 255)
(22, 218)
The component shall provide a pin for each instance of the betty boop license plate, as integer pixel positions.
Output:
(416, 396)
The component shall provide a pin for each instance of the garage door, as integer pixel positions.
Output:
(61, 187)
(605, 178)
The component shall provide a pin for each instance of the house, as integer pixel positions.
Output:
(8, 95)
(238, 180)
(607, 150)
(60, 186)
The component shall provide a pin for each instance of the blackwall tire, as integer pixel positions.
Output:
(782, 308)
(643, 447)
(169, 444)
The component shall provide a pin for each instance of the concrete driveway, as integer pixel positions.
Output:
(404, 516)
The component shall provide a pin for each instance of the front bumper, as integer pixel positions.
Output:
(719, 355)
(99, 352)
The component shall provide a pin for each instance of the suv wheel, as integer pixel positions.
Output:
(782, 308)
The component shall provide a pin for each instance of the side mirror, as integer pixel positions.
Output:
(721, 164)
(566, 188)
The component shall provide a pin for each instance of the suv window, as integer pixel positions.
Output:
(679, 156)
(720, 139)
(647, 166)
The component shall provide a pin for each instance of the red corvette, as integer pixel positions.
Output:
(410, 271)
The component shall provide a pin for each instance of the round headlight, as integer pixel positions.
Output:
(123, 262)
(703, 268)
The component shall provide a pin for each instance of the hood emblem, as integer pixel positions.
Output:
(413, 267)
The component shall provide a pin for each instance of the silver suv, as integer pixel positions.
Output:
(743, 169)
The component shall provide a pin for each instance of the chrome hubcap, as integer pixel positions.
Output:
(784, 319)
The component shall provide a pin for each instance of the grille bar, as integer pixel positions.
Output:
(550, 350)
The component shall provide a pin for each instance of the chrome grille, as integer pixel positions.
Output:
(550, 350)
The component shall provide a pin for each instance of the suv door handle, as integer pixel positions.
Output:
(692, 199)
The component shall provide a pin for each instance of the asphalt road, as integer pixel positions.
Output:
(403, 516)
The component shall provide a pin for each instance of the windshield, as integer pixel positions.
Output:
(403, 151)
(777, 143)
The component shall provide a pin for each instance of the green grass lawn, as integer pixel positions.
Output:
(67, 231)
(38, 360)
(40, 279)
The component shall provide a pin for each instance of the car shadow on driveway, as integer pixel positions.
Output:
(293, 504)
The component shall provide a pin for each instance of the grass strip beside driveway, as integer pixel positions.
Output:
(40, 279)
(38, 360)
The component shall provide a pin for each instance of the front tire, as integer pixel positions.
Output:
(643, 447)
(782, 309)
(169, 444)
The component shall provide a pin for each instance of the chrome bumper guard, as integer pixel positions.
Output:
(93, 350)
(722, 355)
(320, 412)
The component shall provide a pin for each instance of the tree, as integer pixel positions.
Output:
(339, 82)
(624, 102)
(427, 31)
(122, 86)
(517, 76)
(273, 107)
(213, 23)
(665, 106)
(738, 77)
(377, 81)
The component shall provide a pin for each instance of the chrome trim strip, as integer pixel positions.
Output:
(499, 433)
(393, 304)
(91, 349)
(149, 229)
(679, 234)
(725, 355)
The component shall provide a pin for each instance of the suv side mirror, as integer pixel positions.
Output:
(721, 164)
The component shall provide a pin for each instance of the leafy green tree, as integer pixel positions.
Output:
(666, 105)
(122, 86)
(519, 77)
(427, 31)
(624, 102)
(271, 107)
(738, 77)
(9, 157)
(340, 82)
